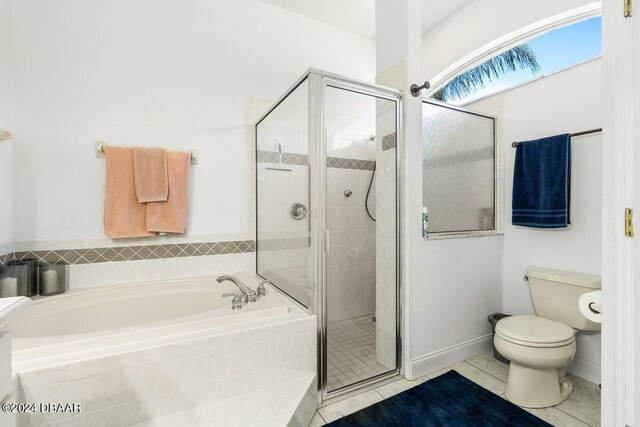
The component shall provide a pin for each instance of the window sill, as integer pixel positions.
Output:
(463, 235)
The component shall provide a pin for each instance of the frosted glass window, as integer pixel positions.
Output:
(458, 169)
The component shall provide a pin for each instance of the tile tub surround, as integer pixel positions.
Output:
(205, 381)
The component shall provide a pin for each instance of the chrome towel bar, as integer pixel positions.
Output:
(584, 132)
(100, 152)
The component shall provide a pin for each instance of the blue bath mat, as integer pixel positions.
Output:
(448, 400)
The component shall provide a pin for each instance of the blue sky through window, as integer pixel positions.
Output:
(554, 50)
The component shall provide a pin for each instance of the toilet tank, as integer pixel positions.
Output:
(555, 295)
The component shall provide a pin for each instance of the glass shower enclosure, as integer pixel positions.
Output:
(327, 220)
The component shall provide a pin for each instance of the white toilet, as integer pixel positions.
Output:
(540, 347)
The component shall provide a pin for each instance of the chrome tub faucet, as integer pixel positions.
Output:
(248, 293)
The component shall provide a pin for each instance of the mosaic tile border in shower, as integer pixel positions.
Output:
(138, 253)
(282, 244)
(389, 141)
(338, 162)
(303, 160)
(287, 158)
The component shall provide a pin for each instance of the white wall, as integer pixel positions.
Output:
(149, 72)
(568, 101)
(481, 22)
(455, 285)
(6, 123)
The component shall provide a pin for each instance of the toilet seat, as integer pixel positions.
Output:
(533, 331)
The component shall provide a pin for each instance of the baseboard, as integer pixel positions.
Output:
(587, 370)
(439, 359)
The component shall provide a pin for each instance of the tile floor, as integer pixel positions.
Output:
(580, 410)
(351, 352)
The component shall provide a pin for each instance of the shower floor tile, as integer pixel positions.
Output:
(351, 352)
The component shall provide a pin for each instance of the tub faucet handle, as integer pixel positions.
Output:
(261, 290)
(236, 302)
(249, 294)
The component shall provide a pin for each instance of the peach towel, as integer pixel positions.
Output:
(171, 216)
(123, 215)
(150, 170)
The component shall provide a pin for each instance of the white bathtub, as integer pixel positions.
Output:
(166, 353)
(125, 317)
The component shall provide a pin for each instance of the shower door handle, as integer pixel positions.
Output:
(326, 240)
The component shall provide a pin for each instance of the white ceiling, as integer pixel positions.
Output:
(359, 16)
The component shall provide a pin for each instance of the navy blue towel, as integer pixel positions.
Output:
(542, 183)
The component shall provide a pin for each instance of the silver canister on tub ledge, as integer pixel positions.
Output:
(53, 279)
(32, 275)
(14, 279)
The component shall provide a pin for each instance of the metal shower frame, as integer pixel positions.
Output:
(318, 82)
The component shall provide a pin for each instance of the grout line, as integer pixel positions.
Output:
(482, 370)
(572, 416)
(383, 398)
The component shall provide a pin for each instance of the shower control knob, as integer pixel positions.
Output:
(298, 211)
(347, 193)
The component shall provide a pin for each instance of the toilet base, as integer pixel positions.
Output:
(537, 388)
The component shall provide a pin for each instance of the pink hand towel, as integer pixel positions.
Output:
(171, 216)
(123, 215)
(150, 169)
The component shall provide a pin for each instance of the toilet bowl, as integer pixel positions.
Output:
(540, 347)
(539, 351)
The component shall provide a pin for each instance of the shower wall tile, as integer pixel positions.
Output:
(287, 125)
(351, 257)
(349, 135)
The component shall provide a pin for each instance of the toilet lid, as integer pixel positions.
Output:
(535, 330)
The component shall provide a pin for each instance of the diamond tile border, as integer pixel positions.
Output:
(303, 160)
(135, 253)
(389, 141)
(338, 162)
(282, 244)
(287, 158)
(6, 258)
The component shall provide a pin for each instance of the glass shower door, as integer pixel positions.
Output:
(361, 218)
(282, 196)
